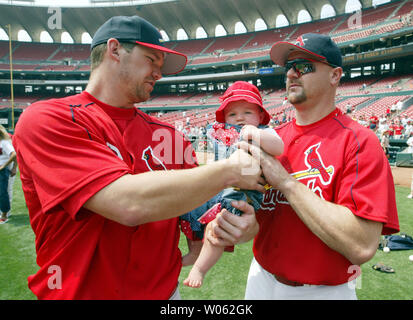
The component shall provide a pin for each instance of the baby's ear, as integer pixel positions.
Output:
(262, 116)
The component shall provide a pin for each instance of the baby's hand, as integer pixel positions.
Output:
(266, 139)
(250, 134)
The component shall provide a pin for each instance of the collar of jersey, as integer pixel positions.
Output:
(113, 112)
(337, 112)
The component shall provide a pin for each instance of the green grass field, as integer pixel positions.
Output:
(226, 280)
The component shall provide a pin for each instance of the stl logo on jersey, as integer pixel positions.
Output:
(152, 162)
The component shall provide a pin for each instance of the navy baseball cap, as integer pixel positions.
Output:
(137, 30)
(320, 46)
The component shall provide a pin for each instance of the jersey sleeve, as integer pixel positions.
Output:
(367, 186)
(66, 161)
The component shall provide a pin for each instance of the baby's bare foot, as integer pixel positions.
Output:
(195, 278)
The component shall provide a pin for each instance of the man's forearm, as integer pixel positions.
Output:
(158, 195)
(354, 237)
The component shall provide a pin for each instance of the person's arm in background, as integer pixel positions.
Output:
(12, 158)
(13, 170)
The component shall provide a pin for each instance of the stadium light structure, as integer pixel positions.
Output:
(80, 3)
(11, 79)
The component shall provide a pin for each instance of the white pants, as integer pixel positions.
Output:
(10, 188)
(175, 295)
(261, 285)
(10, 192)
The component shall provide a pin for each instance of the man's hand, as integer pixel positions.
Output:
(247, 171)
(273, 171)
(228, 229)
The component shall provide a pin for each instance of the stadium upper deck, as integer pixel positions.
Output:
(389, 20)
(388, 26)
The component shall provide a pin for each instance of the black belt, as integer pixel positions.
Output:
(288, 282)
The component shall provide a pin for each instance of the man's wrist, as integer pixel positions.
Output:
(252, 232)
(229, 172)
(288, 186)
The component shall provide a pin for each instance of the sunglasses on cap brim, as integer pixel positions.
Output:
(303, 66)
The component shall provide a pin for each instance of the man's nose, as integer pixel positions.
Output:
(157, 73)
(292, 73)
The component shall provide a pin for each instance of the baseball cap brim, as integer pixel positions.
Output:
(220, 116)
(174, 61)
(280, 50)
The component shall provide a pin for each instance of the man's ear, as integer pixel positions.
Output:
(113, 47)
(335, 76)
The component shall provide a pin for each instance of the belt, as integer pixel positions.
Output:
(288, 282)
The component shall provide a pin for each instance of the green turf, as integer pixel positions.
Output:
(226, 280)
(398, 285)
(17, 250)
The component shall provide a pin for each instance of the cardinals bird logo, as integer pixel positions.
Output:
(152, 162)
(300, 41)
(315, 169)
(315, 166)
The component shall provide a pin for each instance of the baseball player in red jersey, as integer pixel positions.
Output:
(97, 176)
(333, 191)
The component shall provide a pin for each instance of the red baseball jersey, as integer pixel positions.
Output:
(398, 129)
(341, 162)
(68, 149)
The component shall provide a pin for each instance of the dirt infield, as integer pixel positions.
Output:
(401, 176)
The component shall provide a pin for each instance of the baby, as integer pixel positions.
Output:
(241, 116)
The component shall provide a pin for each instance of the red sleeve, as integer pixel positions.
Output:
(367, 186)
(67, 161)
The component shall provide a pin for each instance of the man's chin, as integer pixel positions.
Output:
(296, 99)
(142, 97)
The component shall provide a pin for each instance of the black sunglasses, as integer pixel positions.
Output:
(303, 66)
